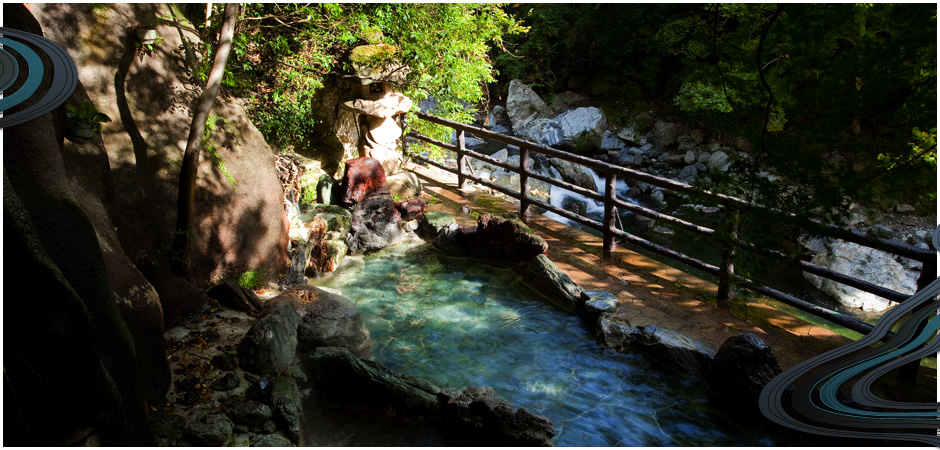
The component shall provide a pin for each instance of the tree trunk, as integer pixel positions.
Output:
(181, 253)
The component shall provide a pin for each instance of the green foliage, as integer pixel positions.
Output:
(252, 279)
(86, 113)
(283, 53)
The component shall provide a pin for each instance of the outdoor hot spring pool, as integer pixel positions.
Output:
(458, 323)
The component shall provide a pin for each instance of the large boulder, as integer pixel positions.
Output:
(505, 242)
(137, 158)
(326, 255)
(375, 224)
(363, 177)
(269, 346)
(866, 264)
(523, 105)
(327, 320)
(477, 417)
(578, 130)
(743, 365)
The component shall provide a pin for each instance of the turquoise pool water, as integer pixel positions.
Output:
(458, 323)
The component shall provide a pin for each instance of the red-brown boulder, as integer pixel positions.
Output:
(363, 177)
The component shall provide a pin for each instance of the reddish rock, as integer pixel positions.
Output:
(410, 209)
(363, 177)
(504, 242)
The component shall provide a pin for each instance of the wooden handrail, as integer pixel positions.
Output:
(733, 206)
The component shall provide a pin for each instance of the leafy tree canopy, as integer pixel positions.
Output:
(283, 53)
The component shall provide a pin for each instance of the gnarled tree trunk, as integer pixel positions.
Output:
(182, 250)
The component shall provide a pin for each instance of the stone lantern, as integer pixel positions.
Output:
(377, 103)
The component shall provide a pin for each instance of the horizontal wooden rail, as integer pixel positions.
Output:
(898, 248)
(729, 241)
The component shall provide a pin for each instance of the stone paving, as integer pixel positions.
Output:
(650, 292)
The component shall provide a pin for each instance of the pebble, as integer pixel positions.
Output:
(227, 382)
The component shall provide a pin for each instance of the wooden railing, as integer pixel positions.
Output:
(728, 237)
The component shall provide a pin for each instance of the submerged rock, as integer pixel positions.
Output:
(743, 365)
(269, 345)
(455, 241)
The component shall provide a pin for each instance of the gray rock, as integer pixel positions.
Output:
(638, 151)
(326, 191)
(574, 173)
(717, 161)
(674, 350)
(327, 320)
(260, 390)
(226, 382)
(866, 264)
(501, 155)
(542, 275)
(704, 157)
(905, 209)
(923, 235)
(496, 117)
(523, 105)
(688, 173)
(341, 377)
(629, 135)
(658, 197)
(285, 401)
(210, 429)
(251, 413)
(272, 440)
(665, 133)
(611, 143)
(689, 156)
(625, 159)
(404, 185)
(501, 129)
(600, 302)
(712, 147)
(433, 222)
(472, 142)
(577, 129)
(700, 168)
(742, 144)
(882, 231)
(269, 345)
(697, 136)
(614, 334)
(922, 246)
(743, 365)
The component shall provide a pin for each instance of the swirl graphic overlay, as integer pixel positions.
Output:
(807, 396)
(63, 69)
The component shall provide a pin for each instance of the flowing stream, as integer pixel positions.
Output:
(457, 323)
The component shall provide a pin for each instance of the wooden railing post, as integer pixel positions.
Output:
(610, 214)
(461, 160)
(726, 268)
(524, 212)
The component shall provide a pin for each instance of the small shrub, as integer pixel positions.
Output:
(252, 279)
